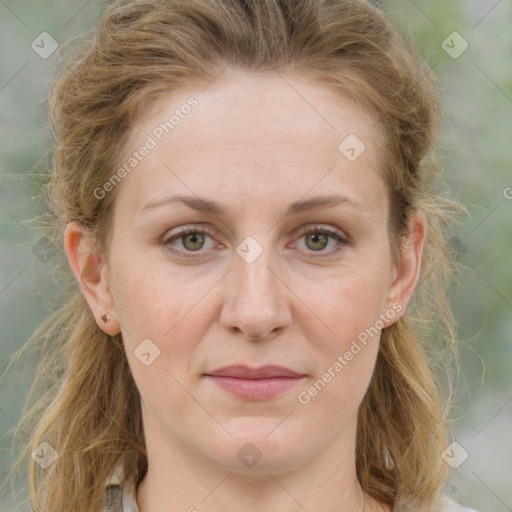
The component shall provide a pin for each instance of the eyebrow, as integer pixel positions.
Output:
(208, 206)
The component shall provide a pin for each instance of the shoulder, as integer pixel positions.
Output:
(449, 505)
(443, 504)
(120, 497)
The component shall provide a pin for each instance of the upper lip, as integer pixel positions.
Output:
(245, 372)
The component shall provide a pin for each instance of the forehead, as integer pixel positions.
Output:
(253, 108)
(251, 134)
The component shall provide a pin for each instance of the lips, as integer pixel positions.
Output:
(244, 372)
(255, 383)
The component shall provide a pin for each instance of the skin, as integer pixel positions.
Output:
(255, 143)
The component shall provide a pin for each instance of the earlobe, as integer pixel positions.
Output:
(407, 269)
(90, 273)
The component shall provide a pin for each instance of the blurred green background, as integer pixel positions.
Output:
(476, 87)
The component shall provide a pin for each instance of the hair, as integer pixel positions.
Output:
(87, 405)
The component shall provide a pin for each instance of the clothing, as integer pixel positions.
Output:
(120, 493)
(120, 497)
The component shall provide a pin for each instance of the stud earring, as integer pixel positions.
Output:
(105, 318)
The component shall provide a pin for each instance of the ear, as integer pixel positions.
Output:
(406, 271)
(92, 276)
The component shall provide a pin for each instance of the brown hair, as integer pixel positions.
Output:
(88, 406)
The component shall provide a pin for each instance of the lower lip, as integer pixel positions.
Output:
(255, 389)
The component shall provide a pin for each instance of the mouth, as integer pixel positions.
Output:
(255, 383)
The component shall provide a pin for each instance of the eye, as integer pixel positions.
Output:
(317, 238)
(192, 239)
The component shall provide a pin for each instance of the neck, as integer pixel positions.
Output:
(180, 479)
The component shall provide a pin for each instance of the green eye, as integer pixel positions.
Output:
(193, 240)
(196, 240)
(317, 239)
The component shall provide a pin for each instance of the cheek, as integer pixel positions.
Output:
(160, 317)
(349, 300)
(346, 341)
(151, 296)
(172, 310)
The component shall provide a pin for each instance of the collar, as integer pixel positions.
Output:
(123, 490)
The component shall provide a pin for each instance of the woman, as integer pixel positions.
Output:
(244, 190)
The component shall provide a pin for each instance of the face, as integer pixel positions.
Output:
(265, 275)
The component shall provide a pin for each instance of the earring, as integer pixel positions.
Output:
(105, 318)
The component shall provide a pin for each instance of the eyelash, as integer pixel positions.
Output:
(308, 231)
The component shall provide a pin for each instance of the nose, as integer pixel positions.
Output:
(256, 298)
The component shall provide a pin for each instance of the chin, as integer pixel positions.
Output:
(257, 447)
(249, 459)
